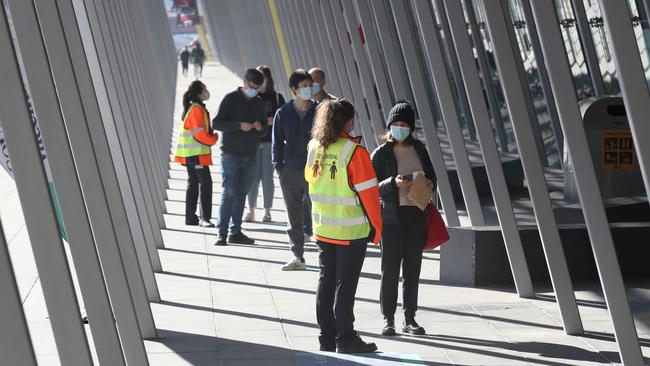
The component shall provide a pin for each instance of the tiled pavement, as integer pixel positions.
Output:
(234, 306)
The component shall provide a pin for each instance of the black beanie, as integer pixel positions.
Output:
(401, 111)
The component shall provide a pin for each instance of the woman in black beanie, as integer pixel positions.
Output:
(396, 162)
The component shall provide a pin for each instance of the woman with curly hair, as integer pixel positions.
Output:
(346, 216)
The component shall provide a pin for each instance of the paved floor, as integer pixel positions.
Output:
(234, 306)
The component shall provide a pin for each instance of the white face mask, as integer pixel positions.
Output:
(400, 133)
(250, 92)
(304, 93)
(315, 88)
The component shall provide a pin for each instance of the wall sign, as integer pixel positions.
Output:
(618, 151)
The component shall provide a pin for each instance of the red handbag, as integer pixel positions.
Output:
(436, 230)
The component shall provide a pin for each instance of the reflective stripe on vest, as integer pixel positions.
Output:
(366, 185)
(185, 133)
(336, 210)
(187, 145)
(336, 221)
(334, 200)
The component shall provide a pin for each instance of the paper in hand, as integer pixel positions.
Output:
(420, 194)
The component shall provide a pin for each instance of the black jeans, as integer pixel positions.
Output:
(340, 267)
(401, 246)
(198, 176)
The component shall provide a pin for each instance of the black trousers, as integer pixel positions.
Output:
(401, 246)
(294, 188)
(340, 267)
(198, 177)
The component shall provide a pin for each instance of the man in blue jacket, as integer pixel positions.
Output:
(291, 133)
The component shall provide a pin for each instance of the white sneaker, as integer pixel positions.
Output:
(294, 265)
(307, 238)
(250, 216)
(204, 223)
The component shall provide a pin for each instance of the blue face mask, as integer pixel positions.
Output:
(250, 92)
(315, 88)
(400, 133)
(305, 93)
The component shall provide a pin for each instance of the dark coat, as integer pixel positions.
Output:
(385, 164)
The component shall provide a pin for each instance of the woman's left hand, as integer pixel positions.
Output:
(429, 184)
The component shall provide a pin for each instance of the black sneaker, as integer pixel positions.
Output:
(221, 240)
(191, 222)
(389, 326)
(327, 344)
(240, 238)
(410, 326)
(356, 345)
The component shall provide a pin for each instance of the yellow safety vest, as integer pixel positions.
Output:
(188, 146)
(336, 211)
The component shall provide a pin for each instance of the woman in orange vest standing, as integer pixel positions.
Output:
(193, 150)
(346, 215)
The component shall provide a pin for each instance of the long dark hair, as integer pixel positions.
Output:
(192, 96)
(331, 117)
(270, 83)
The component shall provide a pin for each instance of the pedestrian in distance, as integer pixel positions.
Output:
(397, 162)
(193, 150)
(242, 120)
(198, 59)
(292, 127)
(184, 57)
(264, 172)
(346, 215)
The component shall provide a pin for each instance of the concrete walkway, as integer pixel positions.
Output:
(234, 306)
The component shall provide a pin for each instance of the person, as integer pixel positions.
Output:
(193, 150)
(291, 132)
(264, 172)
(198, 58)
(346, 215)
(185, 59)
(405, 230)
(240, 119)
(318, 85)
(318, 94)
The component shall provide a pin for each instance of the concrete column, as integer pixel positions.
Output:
(38, 209)
(600, 235)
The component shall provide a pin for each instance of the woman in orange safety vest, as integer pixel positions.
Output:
(193, 150)
(346, 215)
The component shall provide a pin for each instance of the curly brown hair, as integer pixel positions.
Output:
(331, 117)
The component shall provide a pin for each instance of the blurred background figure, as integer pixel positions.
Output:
(272, 102)
(185, 59)
(198, 58)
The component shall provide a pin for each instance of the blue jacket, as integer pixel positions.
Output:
(291, 136)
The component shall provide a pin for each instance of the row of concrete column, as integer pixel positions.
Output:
(435, 54)
(98, 79)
